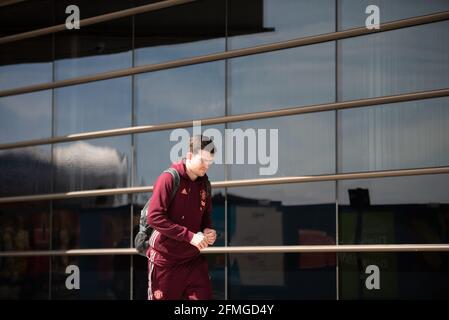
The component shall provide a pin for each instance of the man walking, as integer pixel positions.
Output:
(182, 227)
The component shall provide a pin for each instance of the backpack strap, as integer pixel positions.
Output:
(208, 190)
(176, 180)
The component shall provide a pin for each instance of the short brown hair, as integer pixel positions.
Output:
(200, 142)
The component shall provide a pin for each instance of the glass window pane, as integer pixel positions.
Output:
(93, 164)
(395, 136)
(18, 68)
(25, 171)
(256, 22)
(186, 93)
(281, 79)
(101, 277)
(24, 278)
(394, 62)
(93, 222)
(25, 116)
(352, 13)
(305, 146)
(93, 106)
(140, 278)
(291, 214)
(406, 275)
(217, 275)
(94, 48)
(281, 276)
(393, 210)
(25, 226)
(179, 32)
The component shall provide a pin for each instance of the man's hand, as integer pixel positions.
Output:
(211, 235)
(199, 241)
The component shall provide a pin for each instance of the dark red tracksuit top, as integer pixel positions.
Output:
(176, 222)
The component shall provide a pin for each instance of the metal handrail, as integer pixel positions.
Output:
(370, 102)
(234, 183)
(339, 35)
(247, 249)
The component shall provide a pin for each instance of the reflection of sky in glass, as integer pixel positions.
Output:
(407, 135)
(191, 92)
(82, 66)
(281, 79)
(290, 19)
(163, 53)
(394, 62)
(352, 13)
(306, 146)
(20, 75)
(93, 106)
(26, 116)
(396, 136)
(399, 61)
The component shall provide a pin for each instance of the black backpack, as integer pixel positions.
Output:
(142, 237)
(141, 240)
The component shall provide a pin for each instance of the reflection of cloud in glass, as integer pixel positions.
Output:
(84, 165)
(80, 165)
(96, 160)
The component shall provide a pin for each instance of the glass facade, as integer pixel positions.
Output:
(385, 210)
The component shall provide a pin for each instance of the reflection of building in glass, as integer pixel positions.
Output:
(80, 165)
(283, 275)
(158, 30)
(400, 224)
